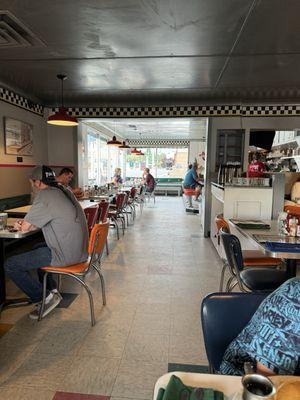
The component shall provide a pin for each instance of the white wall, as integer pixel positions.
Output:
(62, 148)
(14, 178)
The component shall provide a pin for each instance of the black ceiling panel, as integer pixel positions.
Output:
(153, 51)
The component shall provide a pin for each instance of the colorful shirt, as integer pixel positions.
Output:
(272, 337)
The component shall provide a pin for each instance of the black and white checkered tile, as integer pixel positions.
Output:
(185, 111)
(158, 142)
(20, 101)
(156, 111)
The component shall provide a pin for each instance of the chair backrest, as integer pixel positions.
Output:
(103, 211)
(221, 223)
(98, 239)
(120, 201)
(133, 192)
(233, 251)
(218, 324)
(91, 214)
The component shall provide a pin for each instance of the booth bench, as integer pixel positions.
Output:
(168, 186)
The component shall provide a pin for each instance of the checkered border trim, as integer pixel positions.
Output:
(20, 101)
(184, 111)
(158, 142)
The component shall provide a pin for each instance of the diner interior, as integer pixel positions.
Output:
(149, 200)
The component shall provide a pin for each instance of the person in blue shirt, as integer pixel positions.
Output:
(271, 340)
(191, 181)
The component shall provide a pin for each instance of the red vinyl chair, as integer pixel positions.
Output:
(91, 214)
(102, 217)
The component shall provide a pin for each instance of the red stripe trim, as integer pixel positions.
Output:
(32, 166)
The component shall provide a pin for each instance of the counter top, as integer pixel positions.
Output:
(228, 185)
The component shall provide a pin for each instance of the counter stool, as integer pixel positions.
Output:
(78, 271)
(189, 193)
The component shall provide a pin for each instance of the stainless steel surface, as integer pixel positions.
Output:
(257, 387)
(155, 52)
(273, 231)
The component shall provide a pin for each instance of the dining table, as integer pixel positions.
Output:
(8, 235)
(227, 384)
(259, 237)
(85, 203)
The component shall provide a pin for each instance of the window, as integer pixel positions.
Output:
(171, 162)
(162, 162)
(93, 147)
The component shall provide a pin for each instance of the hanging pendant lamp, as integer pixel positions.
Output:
(114, 142)
(124, 146)
(62, 118)
(135, 151)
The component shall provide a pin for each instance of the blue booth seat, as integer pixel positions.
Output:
(223, 317)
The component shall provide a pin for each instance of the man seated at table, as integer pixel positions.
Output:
(192, 181)
(271, 340)
(56, 211)
(148, 180)
(65, 177)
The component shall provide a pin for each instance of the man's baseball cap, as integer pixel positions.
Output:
(44, 174)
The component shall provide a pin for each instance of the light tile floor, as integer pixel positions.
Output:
(156, 277)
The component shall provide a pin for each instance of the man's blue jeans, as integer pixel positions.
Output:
(18, 269)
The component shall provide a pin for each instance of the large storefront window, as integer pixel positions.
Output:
(163, 162)
(93, 150)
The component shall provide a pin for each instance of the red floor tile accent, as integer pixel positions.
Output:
(78, 396)
(161, 270)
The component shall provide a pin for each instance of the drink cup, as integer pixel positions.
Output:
(3, 221)
(257, 387)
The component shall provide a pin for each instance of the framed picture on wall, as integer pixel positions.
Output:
(18, 137)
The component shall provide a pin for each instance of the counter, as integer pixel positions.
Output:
(244, 202)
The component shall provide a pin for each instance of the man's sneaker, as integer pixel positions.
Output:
(55, 291)
(52, 301)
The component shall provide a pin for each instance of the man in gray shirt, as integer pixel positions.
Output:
(56, 211)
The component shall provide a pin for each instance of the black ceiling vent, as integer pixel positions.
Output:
(13, 33)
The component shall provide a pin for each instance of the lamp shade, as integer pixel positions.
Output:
(114, 142)
(135, 151)
(62, 118)
(124, 146)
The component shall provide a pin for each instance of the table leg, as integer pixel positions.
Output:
(291, 268)
(2, 275)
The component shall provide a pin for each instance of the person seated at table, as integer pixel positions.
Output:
(192, 181)
(271, 340)
(65, 177)
(57, 212)
(117, 179)
(148, 180)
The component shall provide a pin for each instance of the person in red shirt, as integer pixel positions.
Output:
(256, 169)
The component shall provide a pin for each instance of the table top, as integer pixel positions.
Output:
(19, 210)
(227, 384)
(5, 234)
(25, 209)
(254, 234)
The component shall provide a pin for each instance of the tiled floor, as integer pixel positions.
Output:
(156, 276)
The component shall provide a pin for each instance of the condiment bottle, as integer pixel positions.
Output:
(293, 227)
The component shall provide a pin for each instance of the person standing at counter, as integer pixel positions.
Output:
(256, 168)
(56, 211)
